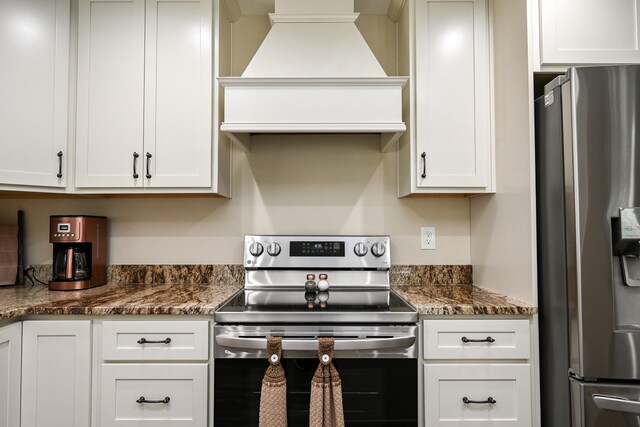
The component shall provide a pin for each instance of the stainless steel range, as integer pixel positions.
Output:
(304, 287)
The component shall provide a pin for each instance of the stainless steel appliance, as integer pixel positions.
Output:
(79, 251)
(588, 206)
(304, 287)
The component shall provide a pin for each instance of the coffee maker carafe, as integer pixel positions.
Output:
(79, 252)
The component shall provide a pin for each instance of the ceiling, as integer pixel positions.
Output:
(366, 7)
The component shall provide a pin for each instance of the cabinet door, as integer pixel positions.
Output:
(34, 73)
(508, 386)
(110, 93)
(476, 339)
(589, 31)
(155, 340)
(154, 395)
(178, 82)
(56, 372)
(452, 94)
(10, 348)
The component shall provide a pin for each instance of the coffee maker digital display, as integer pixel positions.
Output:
(79, 252)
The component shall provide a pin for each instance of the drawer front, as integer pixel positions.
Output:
(457, 339)
(123, 385)
(155, 340)
(509, 386)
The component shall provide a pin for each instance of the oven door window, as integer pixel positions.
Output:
(375, 391)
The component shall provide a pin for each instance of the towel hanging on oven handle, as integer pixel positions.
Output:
(273, 395)
(325, 409)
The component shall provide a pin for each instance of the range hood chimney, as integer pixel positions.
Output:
(313, 73)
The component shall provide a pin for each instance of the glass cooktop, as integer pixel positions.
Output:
(295, 306)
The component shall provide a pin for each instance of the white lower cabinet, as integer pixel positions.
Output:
(477, 372)
(10, 354)
(151, 373)
(56, 373)
(495, 395)
(154, 395)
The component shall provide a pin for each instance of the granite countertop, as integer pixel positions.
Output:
(205, 299)
(26, 300)
(460, 300)
(163, 289)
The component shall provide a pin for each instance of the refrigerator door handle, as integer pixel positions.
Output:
(618, 404)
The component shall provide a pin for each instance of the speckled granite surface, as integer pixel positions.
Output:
(459, 300)
(161, 274)
(158, 274)
(114, 298)
(202, 289)
(431, 275)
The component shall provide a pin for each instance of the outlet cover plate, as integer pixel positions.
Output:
(428, 238)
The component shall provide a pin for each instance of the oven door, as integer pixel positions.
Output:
(377, 366)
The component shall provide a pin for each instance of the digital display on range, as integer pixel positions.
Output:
(319, 249)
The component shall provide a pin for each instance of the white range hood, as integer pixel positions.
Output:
(314, 73)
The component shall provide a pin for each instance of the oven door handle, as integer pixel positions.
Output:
(234, 341)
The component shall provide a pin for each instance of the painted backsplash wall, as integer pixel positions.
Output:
(288, 184)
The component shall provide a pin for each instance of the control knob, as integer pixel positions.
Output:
(256, 249)
(360, 249)
(378, 249)
(273, 249)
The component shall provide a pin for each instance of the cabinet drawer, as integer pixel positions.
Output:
(500, 339)
(155, 340)
(447, 385)
(123, 385)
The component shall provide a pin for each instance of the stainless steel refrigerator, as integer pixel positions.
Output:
(588, 221)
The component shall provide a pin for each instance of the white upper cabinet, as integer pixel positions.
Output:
(110, 93)
(450, 149)
(178, 93)
(575, 32)
(144, 94)
(34, 72)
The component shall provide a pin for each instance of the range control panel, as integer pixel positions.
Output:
(339, 252)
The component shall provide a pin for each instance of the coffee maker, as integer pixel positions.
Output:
(79, 251)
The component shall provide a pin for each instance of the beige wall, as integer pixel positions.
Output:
(503, 225)
(295, 184)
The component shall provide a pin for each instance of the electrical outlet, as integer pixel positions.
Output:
(428, 237)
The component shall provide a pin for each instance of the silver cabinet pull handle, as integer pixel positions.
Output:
(142, 399)
(135, 161)
(59, 175)
(424, 164)
(149, 156)
(487, 339)
(231, 341)
(490, 400)
(146, 341)
(615, 403)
